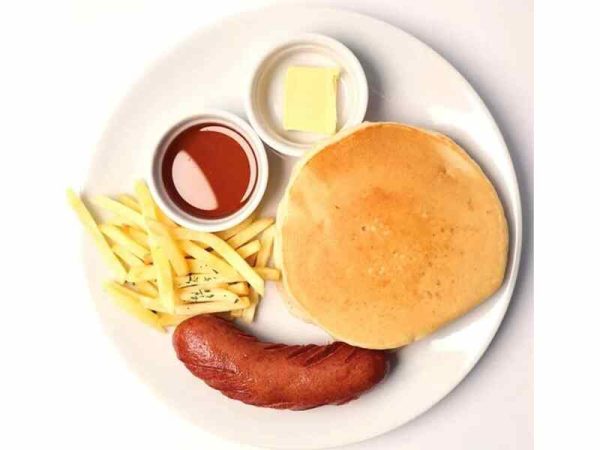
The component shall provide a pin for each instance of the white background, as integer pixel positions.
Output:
(78, 60)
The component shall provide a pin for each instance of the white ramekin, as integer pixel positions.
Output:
(265, 92)
(183, 218)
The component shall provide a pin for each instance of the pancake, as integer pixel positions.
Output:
(388, 232)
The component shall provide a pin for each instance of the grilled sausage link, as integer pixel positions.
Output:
(275, 375)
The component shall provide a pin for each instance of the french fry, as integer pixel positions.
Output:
(90, 225)
(126, 256)
(229, 233)
(248, 249)
(144, 199)
(154, 304)
(268, 273)
(202, 267)
(117, 221)
(228, 253)
(171, 248)
(266, 247)
(130, 202)
(170, 320)
(144, 272)
(200, 284)
(150, 303)
(145, 288)
(206, 280)
(197, 294)
(251, 260)
(249, 232)
(128, 302)
(130, 216)
(130, 290)
(249, 312)
(147, 272)
(240, 289)
(228, 315)
(164, 277)
(211, 307)
(164, 219)
(202, 256)
(139, 236)
(262, 258)
(133, 291)
(148, 206)
(119, 237)
(237, 313)
(163, 287)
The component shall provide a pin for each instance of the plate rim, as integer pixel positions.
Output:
(516, 234)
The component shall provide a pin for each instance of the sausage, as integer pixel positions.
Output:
(271, 375)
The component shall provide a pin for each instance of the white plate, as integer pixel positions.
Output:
(408, 82)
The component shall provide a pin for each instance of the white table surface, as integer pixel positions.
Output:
(489, 42)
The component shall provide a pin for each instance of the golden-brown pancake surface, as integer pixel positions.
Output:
(388, 233)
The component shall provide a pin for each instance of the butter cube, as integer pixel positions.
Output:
(310, 99)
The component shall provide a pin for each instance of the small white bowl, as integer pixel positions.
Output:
(183, 218)
(265, 94)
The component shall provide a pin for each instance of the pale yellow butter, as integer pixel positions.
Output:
(310, 99)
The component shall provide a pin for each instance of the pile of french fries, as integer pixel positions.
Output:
(166, 273)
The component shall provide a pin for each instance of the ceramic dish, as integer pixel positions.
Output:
(167, 205)
(264, 99)
(409, 83)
